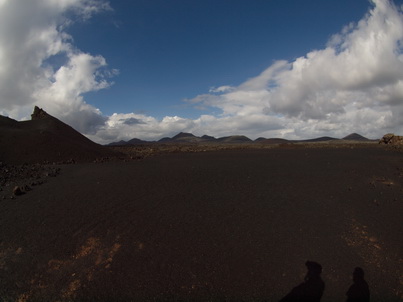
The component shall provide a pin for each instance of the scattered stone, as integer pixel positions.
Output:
(17, 180)
(17, 191)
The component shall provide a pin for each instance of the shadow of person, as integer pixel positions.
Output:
(311, 289)
(359, 290)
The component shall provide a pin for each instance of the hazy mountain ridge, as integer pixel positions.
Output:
(189, 138)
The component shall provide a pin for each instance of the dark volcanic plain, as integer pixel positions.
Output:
(233, 223)
(228, 225)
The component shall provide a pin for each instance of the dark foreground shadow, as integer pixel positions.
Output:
(359, 290)
(311, 289)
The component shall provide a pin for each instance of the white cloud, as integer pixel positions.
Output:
(31, 34)
(125, 126)
(221, 89)
(131, 125)
(354, 84)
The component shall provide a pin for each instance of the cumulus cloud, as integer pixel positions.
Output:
(125, 126)
(131, 121)
(131, 125)
(221, 89)
(354, 84)
(32, 33)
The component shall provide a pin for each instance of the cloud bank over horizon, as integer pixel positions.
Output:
(354, 84)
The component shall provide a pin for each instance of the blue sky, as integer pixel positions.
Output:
(167, 51)
(121, 69)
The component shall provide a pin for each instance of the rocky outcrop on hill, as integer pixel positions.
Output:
(45, 139)
(39, 114)
(391, 139)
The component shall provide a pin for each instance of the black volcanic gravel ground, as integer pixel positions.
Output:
(211, 226)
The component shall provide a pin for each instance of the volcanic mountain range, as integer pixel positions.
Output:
(44, 138)
(189, 138)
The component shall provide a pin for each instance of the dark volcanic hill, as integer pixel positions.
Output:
(188, 138)
(234, 139)
(45, 139)
(318, 139)
(134, 141)
(208, 138)
(7, 122)
(269, 141)
(185, 138)
(355, 137)
(119, 143)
